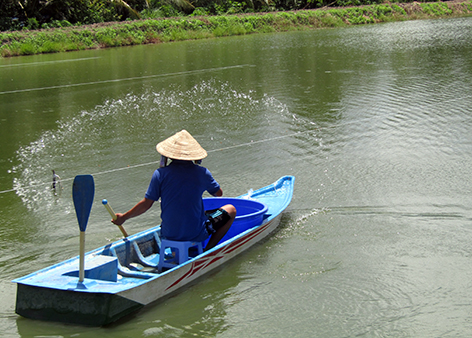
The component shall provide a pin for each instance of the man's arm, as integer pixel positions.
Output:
(140, 208)
(219, 193)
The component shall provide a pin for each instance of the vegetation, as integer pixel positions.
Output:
(153, 28)
(36, 14)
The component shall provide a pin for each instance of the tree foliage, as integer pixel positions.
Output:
(35, 14)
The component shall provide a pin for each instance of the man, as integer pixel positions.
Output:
(180, 186)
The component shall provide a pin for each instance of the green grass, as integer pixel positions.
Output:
(189, 28)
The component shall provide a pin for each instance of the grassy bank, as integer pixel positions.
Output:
(187, 28)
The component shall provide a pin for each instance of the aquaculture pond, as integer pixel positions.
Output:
(373, 121)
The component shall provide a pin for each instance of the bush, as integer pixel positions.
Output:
(200, 11)
(32, 24)
(436, 8)
(27, 49)
(51, 47)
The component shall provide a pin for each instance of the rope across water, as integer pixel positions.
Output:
(157, 162)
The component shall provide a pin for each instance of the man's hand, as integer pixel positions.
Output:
(120, 219)
(140, 208)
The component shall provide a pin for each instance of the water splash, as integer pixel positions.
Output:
(249, 194)
(113, 134)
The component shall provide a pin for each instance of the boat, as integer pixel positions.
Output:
(122, 277)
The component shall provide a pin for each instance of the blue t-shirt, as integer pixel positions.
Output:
(180, 187)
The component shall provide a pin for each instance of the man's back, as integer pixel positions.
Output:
(180, 187)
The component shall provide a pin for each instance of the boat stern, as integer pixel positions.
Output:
(70, 306)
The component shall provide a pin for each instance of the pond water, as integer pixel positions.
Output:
(373, 121)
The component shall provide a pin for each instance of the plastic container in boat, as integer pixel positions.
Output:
(249, 213)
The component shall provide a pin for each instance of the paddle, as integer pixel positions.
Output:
(113, 216)
(83, 190)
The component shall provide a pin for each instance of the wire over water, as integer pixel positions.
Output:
(120, 80)
(47, 62)
(155, 162)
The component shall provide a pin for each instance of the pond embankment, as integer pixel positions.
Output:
(128, 33)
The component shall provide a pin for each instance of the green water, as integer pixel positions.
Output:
(374, 122)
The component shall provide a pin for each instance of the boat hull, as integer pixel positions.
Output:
(113, 289)
(174, 279)
(94, 309)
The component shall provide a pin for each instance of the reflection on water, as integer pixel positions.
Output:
(374, 122)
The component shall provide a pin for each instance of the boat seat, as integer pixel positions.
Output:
(180, 252)
(122, 252)
(148, 257)
(101, 267)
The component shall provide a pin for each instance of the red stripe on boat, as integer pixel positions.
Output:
(213, 257)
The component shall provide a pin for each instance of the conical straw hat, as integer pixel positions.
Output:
(181, 146)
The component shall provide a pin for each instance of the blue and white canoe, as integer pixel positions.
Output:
(124, 276)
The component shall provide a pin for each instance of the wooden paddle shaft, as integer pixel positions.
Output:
(113, 216)
(123, 231)
(109, 209)
(82, 257)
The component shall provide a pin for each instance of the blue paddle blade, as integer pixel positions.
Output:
(83, 190)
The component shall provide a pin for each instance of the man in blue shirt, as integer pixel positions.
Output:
(180, 186)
